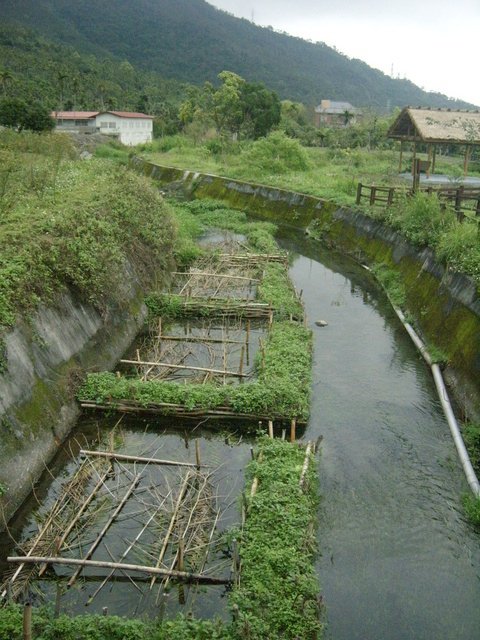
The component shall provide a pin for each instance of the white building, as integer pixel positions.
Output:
(130, 128)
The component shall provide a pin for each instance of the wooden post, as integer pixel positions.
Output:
(284, 433)
(180, 567)
(27, 621)
(293, 425)
(434, 157)
(466, 160)
(242, 354)
(391, 193)
(373, 194)
(429, 160)
(414, 157)
(359, 193)
(197, 454)
(458, 203)
(270, 429)
(416, 175)
(401, 157)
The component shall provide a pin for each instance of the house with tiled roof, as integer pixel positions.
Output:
(129, 127)
(336, 114)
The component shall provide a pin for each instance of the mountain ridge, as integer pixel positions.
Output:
(192, 41)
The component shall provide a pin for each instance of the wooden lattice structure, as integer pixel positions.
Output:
(172, 524)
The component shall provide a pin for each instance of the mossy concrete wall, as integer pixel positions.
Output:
(46, 356)
(446, 305)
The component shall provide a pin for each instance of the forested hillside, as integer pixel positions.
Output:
(191, 41)
(32, 66)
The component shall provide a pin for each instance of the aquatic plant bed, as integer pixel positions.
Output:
(282, 367)
(275, 592)
(278, 595)
(281, 390)
(130, 514)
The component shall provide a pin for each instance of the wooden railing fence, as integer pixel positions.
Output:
(464, 199)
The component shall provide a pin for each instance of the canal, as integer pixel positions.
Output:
(398, 561)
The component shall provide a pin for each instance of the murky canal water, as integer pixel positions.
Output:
(398, 560)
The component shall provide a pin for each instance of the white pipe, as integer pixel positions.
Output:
(455, 431)
(446, 406)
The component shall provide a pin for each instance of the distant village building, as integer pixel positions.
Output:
(130, 128)
(336, 114)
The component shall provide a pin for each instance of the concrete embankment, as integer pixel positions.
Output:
(45, 358)
(445, 305)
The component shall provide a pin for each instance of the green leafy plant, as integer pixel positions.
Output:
(278, 596)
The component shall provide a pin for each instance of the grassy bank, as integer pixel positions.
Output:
(68, 223)
(331, 173)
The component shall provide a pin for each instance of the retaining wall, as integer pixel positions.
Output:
(45, 358)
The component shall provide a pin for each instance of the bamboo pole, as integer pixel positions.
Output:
(270, 429)
(216, 275)
(106, 528)
(127, 458)
(197, 454)
(305, 465)
(167, 408)
(27, 621)
(171, 526)
(78, 515)
(200, 339)
(155, 571)
(183, 367)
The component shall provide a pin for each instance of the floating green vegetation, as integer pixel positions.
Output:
(282, 387)
(197, 217)
(278, 596)
(94, 627)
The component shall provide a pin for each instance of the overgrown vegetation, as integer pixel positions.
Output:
(282, 386)
(392, 282)
(94, 627)
(278, 595)
(72, 224)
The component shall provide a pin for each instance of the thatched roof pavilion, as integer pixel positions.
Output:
(434, 127)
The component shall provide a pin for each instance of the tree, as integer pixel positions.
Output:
(6, 79)
(235, 108)
(261, 109)
(17, 114)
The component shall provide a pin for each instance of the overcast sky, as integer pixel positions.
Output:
(434, 43)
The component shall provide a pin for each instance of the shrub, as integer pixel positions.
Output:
(421, 218)
(459, 247)
(277, 153)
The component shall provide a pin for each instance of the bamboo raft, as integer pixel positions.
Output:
(179, 411)
(175, 528)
